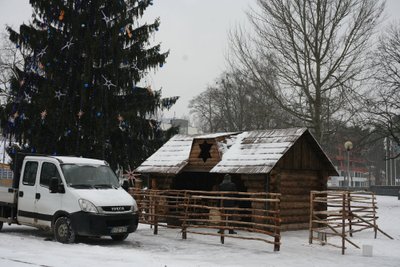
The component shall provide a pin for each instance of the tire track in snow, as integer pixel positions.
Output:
(25, 262)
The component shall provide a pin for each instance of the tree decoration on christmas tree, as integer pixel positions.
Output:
(67, 45)
(108, 83)
(43, 114)
(80, 114)
(59, 95)
(84, 66)
(61, 17)
(42, 52)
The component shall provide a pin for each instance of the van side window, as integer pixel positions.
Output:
(49, 170)
(30, 173)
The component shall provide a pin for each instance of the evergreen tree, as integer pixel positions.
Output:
(77, 93)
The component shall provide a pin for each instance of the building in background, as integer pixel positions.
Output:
(6, 175)
(361, 174)
(183, 124)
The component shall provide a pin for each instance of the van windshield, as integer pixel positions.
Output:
(89, 176)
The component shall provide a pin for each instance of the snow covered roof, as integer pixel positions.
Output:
(213, 135)
(258, 151)
(246, 152)
(172, 157)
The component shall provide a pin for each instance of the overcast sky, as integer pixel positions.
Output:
(195, 32)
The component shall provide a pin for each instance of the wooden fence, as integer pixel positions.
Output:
(204, 213)
(340, 214)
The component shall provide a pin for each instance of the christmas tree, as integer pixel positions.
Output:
(77, 93)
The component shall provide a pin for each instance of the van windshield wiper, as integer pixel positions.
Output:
(99, 186)
(81, 186)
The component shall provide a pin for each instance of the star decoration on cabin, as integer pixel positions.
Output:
(205, 151)
(68, 44)
(41, 53)
(43, 114)
(59, 95)
(108, 83)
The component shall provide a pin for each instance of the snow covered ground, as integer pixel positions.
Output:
(24, 246)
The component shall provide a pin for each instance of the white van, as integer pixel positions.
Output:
(71, 196)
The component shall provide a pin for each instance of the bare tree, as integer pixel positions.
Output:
(383, 105)
(234, 104)
(10, 60)
(317, 48)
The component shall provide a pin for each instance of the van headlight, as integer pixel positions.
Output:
(87, 206)
(134, 208)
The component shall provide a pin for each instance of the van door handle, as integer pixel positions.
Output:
(37, 196)
(20, 193)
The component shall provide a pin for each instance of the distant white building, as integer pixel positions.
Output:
(6, 174)
(4, 157)
(184, 127)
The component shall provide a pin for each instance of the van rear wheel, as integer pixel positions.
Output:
(1, 225)
(63, 231)
(120, 237)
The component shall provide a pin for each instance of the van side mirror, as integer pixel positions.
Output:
(55, 186)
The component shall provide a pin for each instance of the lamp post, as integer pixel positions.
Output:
(348, 145)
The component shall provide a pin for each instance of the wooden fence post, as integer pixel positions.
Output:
(349, 214)
(223, 219)
(343, 222)
(277, 231)
(185, 216)
(155, 216)
(310, 238)
(374, 214)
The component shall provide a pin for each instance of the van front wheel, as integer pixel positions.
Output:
(120, 237)
(63, 231)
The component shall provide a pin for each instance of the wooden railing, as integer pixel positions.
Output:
(213, 213)
(340, 214)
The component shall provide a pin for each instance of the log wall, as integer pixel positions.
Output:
(295, 187)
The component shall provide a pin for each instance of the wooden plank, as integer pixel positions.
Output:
(295, 198)
(295, 191)
(294, 212)
(300, 183)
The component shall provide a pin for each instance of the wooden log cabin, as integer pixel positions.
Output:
(286, 161)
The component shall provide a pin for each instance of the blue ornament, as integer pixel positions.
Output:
(98, 114)
(48, 64)
(86, 85)
(17, 46)
(161, 65)
(33, 150)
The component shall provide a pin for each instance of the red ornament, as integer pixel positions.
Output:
(61, 17)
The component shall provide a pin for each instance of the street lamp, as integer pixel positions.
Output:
(348, 145)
